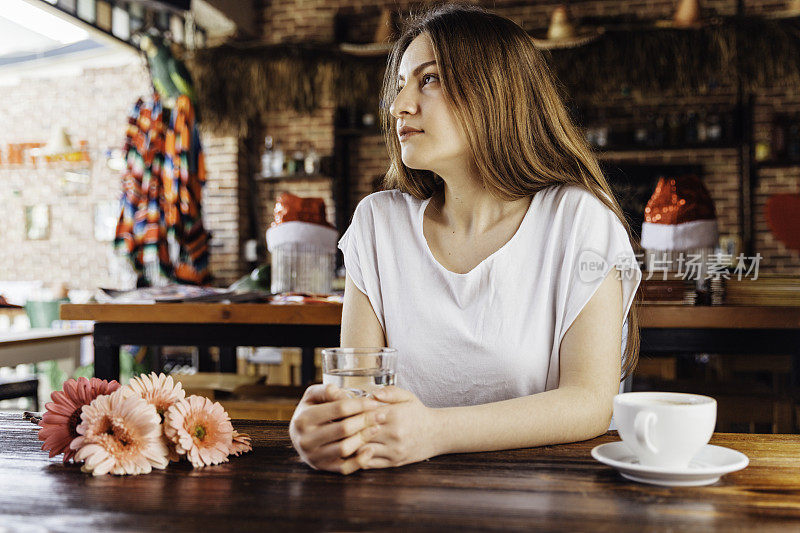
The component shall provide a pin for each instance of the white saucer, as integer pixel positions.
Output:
(705, 468)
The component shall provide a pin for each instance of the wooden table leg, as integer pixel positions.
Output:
(307, 369)
(227, 359)
(106, 362)
(204, 362)
(154, 352)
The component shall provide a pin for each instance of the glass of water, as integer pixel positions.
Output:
(359, 371)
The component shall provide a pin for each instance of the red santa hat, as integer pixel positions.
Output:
(301, 221)
(679, 216)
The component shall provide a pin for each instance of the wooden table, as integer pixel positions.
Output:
(750, 330)
(208, 324)
(665, 329)
(553, 488)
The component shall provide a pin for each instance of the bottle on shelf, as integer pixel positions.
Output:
(763, 151)
(714, 130)
(793, 141)
(277, 160)
(641, 135)
(673, 130)
(778, 137)
(660, 132)
(266, 158)
(289, 167)
(368, 120)
(690, 131)
(298, 157)
(601, 138)
(311, 162)
(702, 129)
(602, 130)
(730, 127)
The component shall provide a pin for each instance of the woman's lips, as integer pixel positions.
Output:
(408, 134)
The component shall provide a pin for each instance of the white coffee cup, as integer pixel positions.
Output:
(665, 429)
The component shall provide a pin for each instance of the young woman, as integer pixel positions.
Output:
(498, 263)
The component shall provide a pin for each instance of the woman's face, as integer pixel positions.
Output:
(420, 104)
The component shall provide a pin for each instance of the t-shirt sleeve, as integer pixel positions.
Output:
(595, 245)
(348, 244)
(358, 245)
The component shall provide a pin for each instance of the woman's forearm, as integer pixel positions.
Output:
(557, 416)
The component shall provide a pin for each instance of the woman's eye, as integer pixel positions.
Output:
(426, 76)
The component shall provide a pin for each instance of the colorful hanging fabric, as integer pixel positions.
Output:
(160, 227)
(140, 234)
(184, 176)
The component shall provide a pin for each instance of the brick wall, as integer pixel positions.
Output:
(222, 214)
(774, 180)
(93, 107)
(93, 104)
(310, 20)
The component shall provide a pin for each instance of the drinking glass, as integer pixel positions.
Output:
(359, 371)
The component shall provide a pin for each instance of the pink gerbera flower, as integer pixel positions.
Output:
(120, 434)
(240, 444)
(161, 392)
(63, 414)
(200, 429)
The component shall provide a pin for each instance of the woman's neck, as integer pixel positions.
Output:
(469, 209)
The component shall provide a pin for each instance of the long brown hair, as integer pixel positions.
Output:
(499, 85)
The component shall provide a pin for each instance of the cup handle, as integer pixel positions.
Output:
(642, 426)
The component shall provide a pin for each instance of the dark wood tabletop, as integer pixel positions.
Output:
(317, 314)
(555, 488)
(652, 315)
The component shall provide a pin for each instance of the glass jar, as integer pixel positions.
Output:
(300, 267)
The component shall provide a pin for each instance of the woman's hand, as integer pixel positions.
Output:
(328, 428)
(408, 435)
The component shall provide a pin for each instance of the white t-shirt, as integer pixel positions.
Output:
(493, 333)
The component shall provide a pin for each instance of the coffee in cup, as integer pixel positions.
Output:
(665, 429)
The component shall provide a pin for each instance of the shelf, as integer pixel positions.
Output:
(777, 164)
(294, 177)
(691, 151)
(645, 148)
(366, 49)
(357, 132)
(632, 24)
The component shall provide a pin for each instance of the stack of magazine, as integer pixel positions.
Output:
(180, 293)
(668, 290)
(767, 289)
